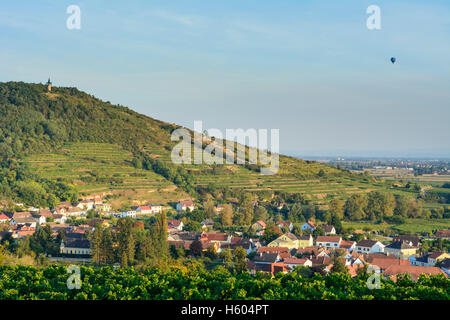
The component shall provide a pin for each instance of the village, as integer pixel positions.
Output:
(323, 252)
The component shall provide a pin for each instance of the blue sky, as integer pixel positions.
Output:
(310, 68)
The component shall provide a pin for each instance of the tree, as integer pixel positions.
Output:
(196, 248)
(295, 214)
(227, 258)
(260, 214)
(240, 263)
(337, 207)
(336, 222)
(318, 232)
(209, 208)
(355, 206)
(271, 233)
(96, 243)
(226, 215)
(192, 226)
(338, 266)
(160, 242)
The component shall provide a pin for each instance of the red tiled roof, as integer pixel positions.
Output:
(262, 223)
(213, 236)
(295, 261)
(272, 249)
(413, 271)
(4, 217)
(347, 244)
(328, 239)
(386, 263)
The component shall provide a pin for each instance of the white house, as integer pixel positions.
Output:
(40, 219)
(156, 208)
(329, 229)
(130, 213)
(176, 224)
(369, 246)
(329, 241)
(184, 205)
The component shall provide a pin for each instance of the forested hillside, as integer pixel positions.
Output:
(63, 134)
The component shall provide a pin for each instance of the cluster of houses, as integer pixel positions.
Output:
(289, 251)
(283, 254)
(22, 224)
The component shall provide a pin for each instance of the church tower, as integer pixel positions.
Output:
(49, 85)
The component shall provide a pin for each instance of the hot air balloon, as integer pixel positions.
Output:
(393, 60)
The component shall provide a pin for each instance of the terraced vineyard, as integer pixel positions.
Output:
(100, 169)
(318, 190)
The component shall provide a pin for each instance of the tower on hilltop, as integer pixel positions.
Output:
(49, 85)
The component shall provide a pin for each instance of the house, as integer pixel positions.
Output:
(400, 249)
(411, 240)
(290, 241)
(75, 247)
(175, 224)
(218, 208)
(215, 237)
(267, 258)
(103, 207)
(59, 218)
(142, 209)
(4, 218)
(328, 241)
(87, 204)
(445, 266)
(369, 246)
(43, 212)
(348, 245)
(354, 258)
(73, 212)
(308, 226)
(442, 234)
(305, 241)
(285, 224)
(259, 227)
(185, 205)
(329, 229)
(22, 221)
(430, 259)
(18, 215)
(295, 262)
(393, 271)
(207, 224)
(155, 208)
(40, 219)
(380, 264)
(129, 213)
(246, 244)
(272, 250)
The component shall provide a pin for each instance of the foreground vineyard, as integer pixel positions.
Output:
(196, 283)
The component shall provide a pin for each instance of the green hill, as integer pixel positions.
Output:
(98, 148)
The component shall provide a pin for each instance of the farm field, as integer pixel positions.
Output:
(411, 226)
(102, 169)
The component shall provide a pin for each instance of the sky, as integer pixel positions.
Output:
(311, 69)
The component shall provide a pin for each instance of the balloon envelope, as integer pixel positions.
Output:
(393, 60)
